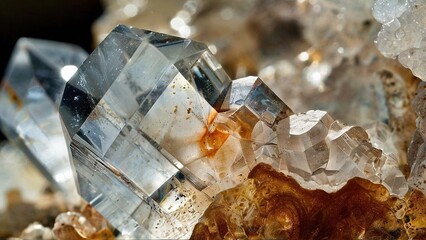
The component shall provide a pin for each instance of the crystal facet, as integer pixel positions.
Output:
(30, 97)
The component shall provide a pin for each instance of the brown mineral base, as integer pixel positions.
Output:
(270, 205)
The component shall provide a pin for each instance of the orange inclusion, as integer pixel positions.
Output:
(211, 142)
(12, 94)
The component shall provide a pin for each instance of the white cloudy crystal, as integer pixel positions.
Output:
(326, 154)
(403, 31)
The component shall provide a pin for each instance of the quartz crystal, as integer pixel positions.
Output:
(30, 96)
(19, 174)
(156, 123)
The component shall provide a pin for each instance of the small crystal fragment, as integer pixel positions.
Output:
(30, 96)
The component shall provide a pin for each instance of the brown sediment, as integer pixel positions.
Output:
(270, 205)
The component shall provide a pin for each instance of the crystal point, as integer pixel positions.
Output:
(136, 111)
(30, 96)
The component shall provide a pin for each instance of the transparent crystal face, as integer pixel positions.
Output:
(157, 128)
(30, 96)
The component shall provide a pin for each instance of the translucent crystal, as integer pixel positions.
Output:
(387, 10)
(326, 154)
(128, 112)
(156, 128)
(402, 34)
(30, 96)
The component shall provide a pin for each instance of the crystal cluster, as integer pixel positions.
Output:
(320, 149)
(402, 33)
(401, 37)
(156, 129)
(30, 96)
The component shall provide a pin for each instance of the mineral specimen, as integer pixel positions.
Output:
(317, 148)
(18, 173)
(156, 129)
(270, 205)
(30, 96)
(136, 113)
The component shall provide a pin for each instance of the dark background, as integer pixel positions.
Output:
(60, 20)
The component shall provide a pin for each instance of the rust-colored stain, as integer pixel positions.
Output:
(12, 94)
(210, 142)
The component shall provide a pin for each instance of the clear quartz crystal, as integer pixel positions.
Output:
(156, 128)
(29, 99)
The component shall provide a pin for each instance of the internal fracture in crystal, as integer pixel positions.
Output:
(29, 99)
